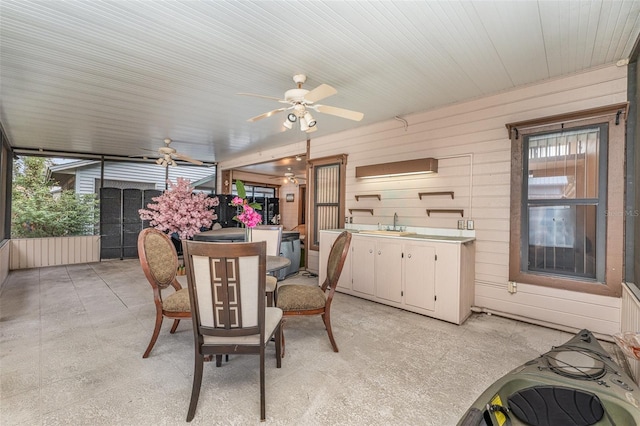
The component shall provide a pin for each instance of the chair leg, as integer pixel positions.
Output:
(156, 331)
(327, 323)
(197, 382)
(174, 326)
(282, 334)
(279, 353)
(263, 414)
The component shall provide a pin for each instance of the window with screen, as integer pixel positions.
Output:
(563, 199)
(567, 201)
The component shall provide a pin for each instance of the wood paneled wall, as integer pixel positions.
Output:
(471, 142)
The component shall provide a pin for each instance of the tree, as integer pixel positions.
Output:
(35, 212)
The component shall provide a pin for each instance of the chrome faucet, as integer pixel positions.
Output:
(395, 220)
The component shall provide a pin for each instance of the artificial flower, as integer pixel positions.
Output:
(179, 210)
(249, 217)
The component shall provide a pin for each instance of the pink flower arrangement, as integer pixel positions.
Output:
(180, 210)
(249, 217)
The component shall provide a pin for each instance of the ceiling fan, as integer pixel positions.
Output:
(168, 155)
(301, 101)
(289, 176)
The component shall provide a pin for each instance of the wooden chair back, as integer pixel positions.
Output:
(158, 257)
(225, 284)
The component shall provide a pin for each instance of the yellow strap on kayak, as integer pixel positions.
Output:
(500, 417)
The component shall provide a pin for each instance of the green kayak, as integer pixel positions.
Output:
(574, 384)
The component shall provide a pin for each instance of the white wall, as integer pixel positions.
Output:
(289, 210)
(471, 142)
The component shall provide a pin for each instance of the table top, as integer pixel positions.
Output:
(235, 234)
(275, 263)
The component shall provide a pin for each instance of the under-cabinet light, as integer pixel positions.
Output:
(398, 168)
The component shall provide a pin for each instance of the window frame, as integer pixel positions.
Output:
(601, 202)
(609, 282)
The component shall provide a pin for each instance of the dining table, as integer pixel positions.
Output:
(275, 263)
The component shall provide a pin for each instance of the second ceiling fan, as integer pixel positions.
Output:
(301, 101)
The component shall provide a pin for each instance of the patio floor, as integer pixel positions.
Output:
(72, 338)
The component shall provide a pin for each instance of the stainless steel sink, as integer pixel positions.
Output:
(387, 232)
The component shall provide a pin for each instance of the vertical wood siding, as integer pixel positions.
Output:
(4, 260)
(36, 252)
(630, 321)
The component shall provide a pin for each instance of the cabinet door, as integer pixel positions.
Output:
(420, 276)
(388, 269)
(362, 264)
(344, 282)
(326, 241)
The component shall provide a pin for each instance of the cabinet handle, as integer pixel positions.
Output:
(379, 252)
(409, 255)
(370, 250)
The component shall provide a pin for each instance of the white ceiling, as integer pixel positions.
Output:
(117, 77)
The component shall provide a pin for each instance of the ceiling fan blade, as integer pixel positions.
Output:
(188, 159)
(263, 97)
(340, 112)
(320, 92)
(265, 115)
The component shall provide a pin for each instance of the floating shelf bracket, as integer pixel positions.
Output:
(361, 210)
(457, 211)
(368, 196)
(426, 194)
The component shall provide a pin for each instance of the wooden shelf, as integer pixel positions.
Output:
(368, 196)
(361, 210)
(460, 211)
(425, 194)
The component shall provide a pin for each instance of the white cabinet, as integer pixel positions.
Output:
(326, 242)
(427, 276)
(363, 265)
(388, 270)
(420, 275)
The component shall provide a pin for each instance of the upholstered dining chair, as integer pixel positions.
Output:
(300, 299)
(272, 234)
(159, 262)
(226, 283)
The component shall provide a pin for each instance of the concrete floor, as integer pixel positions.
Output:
(72, 338)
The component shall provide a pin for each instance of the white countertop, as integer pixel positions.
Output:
(423, 234)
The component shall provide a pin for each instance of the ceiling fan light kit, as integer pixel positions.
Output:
(168, 153)
(301, 101)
